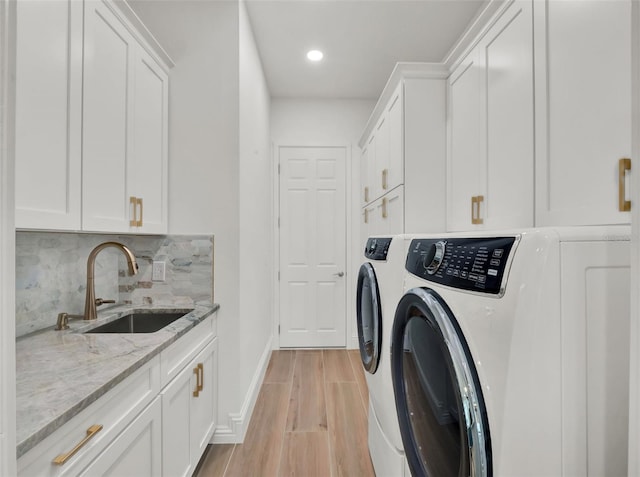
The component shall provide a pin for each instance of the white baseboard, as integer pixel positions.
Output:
(235, 430)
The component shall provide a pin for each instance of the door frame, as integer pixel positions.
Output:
(350, 327)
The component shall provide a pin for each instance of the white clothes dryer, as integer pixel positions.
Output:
(380, 286)
(510, 353)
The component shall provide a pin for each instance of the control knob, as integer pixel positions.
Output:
(434, 256)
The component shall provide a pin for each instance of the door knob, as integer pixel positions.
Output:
(339, 274)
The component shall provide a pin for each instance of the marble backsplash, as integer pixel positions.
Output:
(51, 271)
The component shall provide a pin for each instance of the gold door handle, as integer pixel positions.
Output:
(133, 203)
(624, 165)
(366, 216)
(384, 208)
(385, 179)
(366, 194)
(139, 202)
(91, 432)
(475, 209)
(199, 372)
(201, 369)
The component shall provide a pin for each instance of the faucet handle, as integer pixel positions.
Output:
(100, 301)
(63, 322)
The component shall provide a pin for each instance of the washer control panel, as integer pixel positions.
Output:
(476, 264)
(377, 248)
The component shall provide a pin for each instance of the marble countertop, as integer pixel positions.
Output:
(60, 373)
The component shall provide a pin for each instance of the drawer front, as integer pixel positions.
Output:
(113, 411)
(180, 353)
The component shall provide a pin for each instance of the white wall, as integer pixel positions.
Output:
(330, 123)
(256, 268)
(219, 166)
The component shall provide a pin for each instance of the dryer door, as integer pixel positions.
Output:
(439, 402)
(369, 316)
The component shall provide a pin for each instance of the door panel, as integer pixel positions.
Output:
(312, 246)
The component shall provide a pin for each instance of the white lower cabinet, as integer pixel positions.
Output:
(157, 422)
(189, 413)
(137, 451)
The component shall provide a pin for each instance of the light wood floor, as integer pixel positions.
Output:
(310, 419)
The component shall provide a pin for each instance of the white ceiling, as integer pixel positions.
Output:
(362, 40)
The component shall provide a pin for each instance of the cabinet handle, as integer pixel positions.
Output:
(475, 209)
(366, 216)
(92, 431)
(139, 202)
(624, 165)
(384, 208)
(366, 194)
(199, 372)
(133, 201)
(385, 177)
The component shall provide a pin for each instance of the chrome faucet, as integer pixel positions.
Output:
(91, 303)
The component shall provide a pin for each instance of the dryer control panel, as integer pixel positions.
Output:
(476, 264)
(377, 248)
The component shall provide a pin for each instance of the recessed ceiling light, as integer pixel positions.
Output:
(315, 55)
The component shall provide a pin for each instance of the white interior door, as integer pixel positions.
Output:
(312, 246)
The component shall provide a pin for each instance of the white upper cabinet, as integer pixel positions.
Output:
(583, 110)
(491, 130)
(108, 72)
(92, 116)
(48, 114)
(125, 129)
(404, 144)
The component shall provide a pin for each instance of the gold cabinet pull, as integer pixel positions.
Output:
(366, 216)
(139, 202)
(624, 165)
(133, 202)
(366, 194)
(475, 209)
(199, 372)
(384, 207)
(91, 432)
(385, 179)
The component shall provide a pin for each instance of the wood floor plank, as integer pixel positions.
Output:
(337, 366)
(347, 431)
(280, 368)
(306, 454)
(215, 460)
(307, 409)
(259, 455)
(358, 371)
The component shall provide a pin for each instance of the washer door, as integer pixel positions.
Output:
(442, 416)
(369, 318)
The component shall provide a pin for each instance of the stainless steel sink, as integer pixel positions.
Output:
(140, 322)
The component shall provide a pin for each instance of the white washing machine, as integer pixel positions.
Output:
(510, 353)
(380, 286)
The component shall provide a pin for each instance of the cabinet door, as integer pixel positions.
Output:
(136, 451)
(48, 114)
(176, 424)
(189, 405)
(463, 160)
(147, 169)
(108, 65)
(395, 120)
(365, 190)
(506, 172)
(372, 177)
(381, 169)
(583, 109)
(389, 213)
(204, 406)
